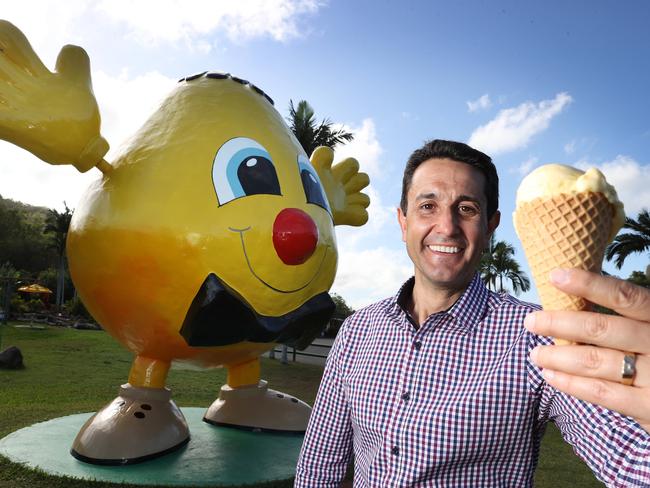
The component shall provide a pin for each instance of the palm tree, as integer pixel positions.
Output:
(486, 266)
(636, 241)
(309, 133)
(498, 263)
(58, 224)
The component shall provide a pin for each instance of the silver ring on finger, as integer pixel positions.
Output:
(628, 369)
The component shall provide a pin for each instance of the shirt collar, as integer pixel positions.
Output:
(471, 307)
(468, 310)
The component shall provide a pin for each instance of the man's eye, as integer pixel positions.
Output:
(426, 206)
(468, 210)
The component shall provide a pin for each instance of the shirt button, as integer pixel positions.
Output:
(417, 345)
(406, 396)
(395, 451)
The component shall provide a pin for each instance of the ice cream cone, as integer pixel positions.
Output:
(564, 230)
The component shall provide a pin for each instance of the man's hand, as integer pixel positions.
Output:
(343, 184)
(52, 115)
(592, 371)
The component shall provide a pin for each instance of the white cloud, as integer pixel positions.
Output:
(630, 178)
(378, 214)
(525, 167)
(382, 222)
(164, 21)
(368, 275)
(372, 260)
(409, 116)
(28, 179)
(365, 147)
(513, 128)
(482, 102)
(125, 103)
(191, 20)
(570, 147)
(47, 24)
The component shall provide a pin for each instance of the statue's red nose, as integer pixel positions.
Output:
(295, 236)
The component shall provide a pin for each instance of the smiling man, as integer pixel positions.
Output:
(436, 386)
(446, 223)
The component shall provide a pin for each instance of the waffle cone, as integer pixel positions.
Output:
(563, 231)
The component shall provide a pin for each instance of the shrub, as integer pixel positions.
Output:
(35, 305)
(18, 305)
(76, 308)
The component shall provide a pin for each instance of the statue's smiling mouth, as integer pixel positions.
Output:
(264, 282)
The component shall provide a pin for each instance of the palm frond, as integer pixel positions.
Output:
(310, 134)
(630, 243)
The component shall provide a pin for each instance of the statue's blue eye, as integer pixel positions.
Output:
(314, 192)
(242, 167)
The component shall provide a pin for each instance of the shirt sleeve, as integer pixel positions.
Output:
(327, 448)
(615, 447)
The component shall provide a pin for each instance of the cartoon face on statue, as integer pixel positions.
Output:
(208, 239)
(213, 229)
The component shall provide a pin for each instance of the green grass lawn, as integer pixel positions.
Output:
(72, 371)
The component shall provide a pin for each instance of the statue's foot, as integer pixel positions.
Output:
(140, 424)
(258, 408)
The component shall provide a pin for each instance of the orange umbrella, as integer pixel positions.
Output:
(35, 289)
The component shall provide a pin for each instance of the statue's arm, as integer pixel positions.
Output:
(53, 115)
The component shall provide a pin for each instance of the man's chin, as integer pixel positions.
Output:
(450, 280)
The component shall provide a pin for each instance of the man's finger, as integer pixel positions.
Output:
(592, 328)
(590, 362)
(624, 297)
(628, 400)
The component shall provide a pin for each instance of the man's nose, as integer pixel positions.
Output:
(446, 222)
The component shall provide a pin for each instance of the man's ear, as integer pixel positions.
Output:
(401, 219)
(493, 223)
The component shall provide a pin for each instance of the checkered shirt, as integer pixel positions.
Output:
(455, 403)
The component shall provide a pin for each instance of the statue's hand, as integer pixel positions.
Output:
(52, 115)
(343, 184)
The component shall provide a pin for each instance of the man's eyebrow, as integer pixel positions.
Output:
(424, 196)
(461, 198)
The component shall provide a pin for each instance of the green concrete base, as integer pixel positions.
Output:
(215, 456)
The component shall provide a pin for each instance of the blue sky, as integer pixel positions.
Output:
(530, 83)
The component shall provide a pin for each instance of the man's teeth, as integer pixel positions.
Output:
(447, 249)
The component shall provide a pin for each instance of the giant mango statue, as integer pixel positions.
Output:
(209, 239)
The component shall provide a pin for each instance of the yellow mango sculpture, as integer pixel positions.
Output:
(208, 239)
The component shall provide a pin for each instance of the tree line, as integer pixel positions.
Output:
(32, 246)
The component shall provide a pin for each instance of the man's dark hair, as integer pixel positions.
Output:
(456, 151)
